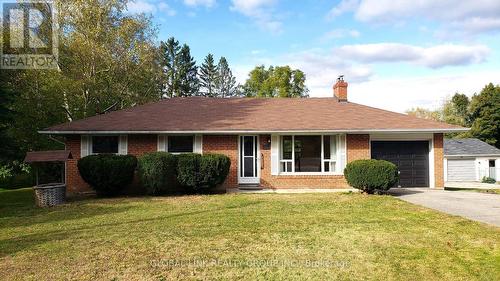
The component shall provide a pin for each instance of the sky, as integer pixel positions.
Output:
(395, 54)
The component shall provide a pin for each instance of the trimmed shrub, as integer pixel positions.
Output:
(107, 174)
(188, 169)
(157, 171)
(371, 175)
(214, 169)
(488, 180)
(202, 172)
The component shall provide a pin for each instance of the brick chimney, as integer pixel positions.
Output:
(340, 89)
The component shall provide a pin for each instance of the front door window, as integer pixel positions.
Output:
(248, 159)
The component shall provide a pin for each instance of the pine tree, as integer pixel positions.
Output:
(226, 83)
(188, 73)
(208, 76)
(180, 76)
(170, 52)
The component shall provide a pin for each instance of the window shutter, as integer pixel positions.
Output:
(162, 143)
(341, 148)
(123, 145)
(84, 146)
(275, 159)
(198, 144)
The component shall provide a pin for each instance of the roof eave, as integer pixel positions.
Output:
(353, 131)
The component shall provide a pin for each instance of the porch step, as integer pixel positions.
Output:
(249, 187)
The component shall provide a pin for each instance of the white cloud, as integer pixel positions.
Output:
(261, 11)
(433, 57)
(400, 94)
(483, 15)
(137, 7)
(194, 3)
(343, 7)
(476, 25)
(164, 7)
(323, 68)
(340, 33)
(141, 6)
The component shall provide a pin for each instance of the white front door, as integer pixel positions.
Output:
(249, 160)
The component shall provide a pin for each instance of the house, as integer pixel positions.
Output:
(272, 142)
(470, 160)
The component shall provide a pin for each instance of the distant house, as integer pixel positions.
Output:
(272, 142)
(470, 160)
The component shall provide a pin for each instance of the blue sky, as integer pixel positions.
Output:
(395, 54)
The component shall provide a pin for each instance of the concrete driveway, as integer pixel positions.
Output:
(472, 205)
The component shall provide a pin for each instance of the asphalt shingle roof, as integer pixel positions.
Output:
(468, 147)
(252, 114)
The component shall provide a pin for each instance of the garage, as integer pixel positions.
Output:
(461, 170)
(411, 157)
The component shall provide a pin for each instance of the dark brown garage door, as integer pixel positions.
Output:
(411, 157)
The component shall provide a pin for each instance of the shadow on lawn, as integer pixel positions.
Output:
(19, 243)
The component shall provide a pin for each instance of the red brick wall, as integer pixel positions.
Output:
(227, 145)
(438, 161)
(74, 182)
(358, 147)
(141, 144)
(137, 145)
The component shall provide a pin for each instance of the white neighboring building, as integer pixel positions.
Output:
(470, 160)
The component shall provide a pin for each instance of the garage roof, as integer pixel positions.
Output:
(469, 147)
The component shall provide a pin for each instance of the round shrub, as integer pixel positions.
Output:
(202, 172)
(371, 175)
(107, 174)
(157, 171)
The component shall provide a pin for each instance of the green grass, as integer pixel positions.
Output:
(258, 236)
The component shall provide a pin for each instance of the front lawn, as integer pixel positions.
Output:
(259, 236)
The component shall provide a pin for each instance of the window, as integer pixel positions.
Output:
(286, 154)
(308, 154)
(307, 151)
(180, 144)
(105, 144)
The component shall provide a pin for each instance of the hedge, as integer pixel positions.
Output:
(107, 174)
(157, 171)
(371, 175)
(202, 172)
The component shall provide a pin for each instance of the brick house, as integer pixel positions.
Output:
(272, 143)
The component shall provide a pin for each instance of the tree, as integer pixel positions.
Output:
(188, 73)
(481, 113)
(208, 76)
(225, 84)
(423, 113)
(461, 104)
(7, 147)
(485, 115)
(169, 54)
(107, 61)
(180, 75)
(279, 81)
